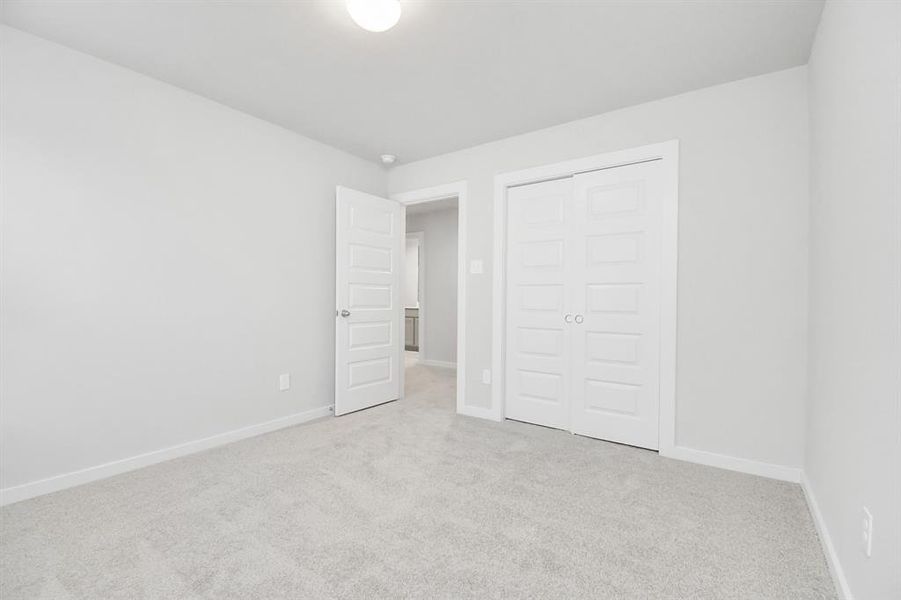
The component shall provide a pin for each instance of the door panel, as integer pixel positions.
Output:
(369, 235)
(538, 263)
(586, 247)
(615, 349)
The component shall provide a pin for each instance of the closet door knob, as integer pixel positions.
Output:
(579, 319)
(567, 318)
(345, 313)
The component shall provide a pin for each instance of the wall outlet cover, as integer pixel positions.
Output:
(284, 382)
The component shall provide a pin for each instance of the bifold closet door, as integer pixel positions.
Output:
(540, 280)
(583, 303)
(615, 351)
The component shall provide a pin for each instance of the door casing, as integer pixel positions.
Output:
(419, 236)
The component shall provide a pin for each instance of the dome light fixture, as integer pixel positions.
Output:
(374, 15)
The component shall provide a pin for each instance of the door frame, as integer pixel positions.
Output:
(419, 236)
(457, 190)
(668, 153)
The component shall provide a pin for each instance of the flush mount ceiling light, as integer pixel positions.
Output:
(374, 15)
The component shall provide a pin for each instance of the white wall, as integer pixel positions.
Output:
(439, 305)
(853, 454)
(164, 259)
(743, 225)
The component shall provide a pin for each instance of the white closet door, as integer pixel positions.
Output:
(615, 340)
(539, 280)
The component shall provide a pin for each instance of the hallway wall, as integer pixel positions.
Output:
(439, 339)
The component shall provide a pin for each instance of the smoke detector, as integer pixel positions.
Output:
(388, 159)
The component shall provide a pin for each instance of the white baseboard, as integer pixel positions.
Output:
(478, 412)
(75, 478)
(68, 480)
(438, 363)
(835, 567)
(732, 463)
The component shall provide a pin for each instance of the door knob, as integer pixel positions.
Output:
(579, 319)
(567, 318)
(345, 312)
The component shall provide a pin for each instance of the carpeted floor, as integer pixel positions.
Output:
(408, 500)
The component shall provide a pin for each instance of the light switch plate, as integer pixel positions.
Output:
(486, 376)
(284, 382)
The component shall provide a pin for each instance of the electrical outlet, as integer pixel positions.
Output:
(867, 538)
(486, 376)
(284, 382)
(476, 267)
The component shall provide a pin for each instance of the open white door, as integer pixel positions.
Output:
(369, 315)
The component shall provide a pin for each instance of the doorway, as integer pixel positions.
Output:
(370, 341)
(434, 289)
(430, 300)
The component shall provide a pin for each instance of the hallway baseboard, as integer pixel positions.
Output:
(438, 363)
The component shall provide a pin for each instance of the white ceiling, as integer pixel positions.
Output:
(450, 75)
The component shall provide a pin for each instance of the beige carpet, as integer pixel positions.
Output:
(408, 500)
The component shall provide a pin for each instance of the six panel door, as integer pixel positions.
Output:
(616, 346)
(583, 303)
(539, 264)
